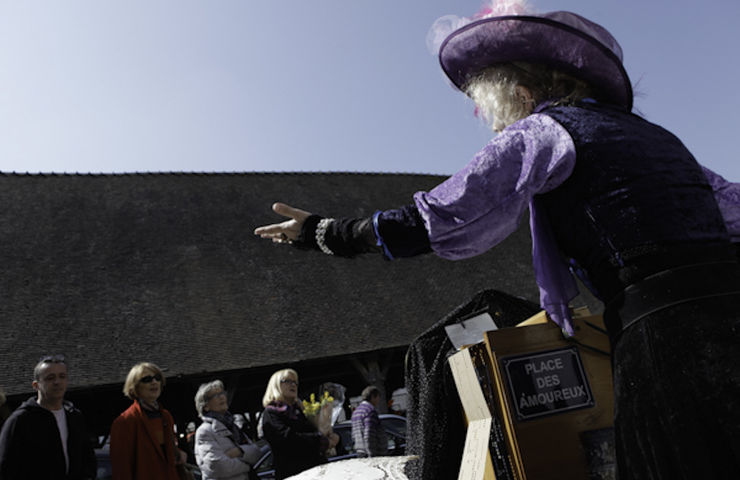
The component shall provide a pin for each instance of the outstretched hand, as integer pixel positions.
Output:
(287, 231)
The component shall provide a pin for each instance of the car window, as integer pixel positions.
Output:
(396, 426)
(105, 472)
(344, 430)
(265, 462)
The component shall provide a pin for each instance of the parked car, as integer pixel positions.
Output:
(105, 471)
(394, 426)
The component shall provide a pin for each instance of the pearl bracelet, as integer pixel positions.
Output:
(321, 233)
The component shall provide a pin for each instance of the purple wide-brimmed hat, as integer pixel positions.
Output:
(561, 40)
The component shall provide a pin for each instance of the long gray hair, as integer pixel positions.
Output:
(494, 91)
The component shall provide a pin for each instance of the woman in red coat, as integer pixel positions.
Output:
(142, 438)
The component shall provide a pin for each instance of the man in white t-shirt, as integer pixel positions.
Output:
(46, 437)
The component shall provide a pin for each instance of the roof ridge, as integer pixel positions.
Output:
(176, 173)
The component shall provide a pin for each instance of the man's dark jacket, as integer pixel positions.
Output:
(31, 448)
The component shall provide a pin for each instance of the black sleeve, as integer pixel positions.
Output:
(299, 433)
(403, 232)
(10, 454)
(400, 233)
(345, 237)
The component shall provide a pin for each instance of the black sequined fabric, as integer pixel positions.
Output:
(436, 428)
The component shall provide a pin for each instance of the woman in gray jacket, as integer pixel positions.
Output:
(222, 450)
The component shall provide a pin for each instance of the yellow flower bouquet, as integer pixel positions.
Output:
(320, 413)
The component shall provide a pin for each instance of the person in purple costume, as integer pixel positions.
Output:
(614, 199)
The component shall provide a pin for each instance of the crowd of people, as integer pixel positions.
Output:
(143, 438)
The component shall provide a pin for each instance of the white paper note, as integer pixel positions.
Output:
(470, 331)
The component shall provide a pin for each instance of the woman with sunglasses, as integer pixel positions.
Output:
(222, 450)
(296, 443)
(142, 438)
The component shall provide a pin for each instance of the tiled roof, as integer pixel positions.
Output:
(114, 269)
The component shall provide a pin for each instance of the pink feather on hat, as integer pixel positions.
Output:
(447, 24)
(498, 8)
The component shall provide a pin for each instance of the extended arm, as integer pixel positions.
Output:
(396, 233)
(464, 216)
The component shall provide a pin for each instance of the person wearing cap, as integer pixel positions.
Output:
(613, 198)
(47, 437)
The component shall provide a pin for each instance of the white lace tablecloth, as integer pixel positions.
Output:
(375, 468)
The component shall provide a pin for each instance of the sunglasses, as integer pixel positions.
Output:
(214, 395)
(149, 378)
(290, 381)
(56, 358)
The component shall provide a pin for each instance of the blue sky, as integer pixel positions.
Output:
(323, 85)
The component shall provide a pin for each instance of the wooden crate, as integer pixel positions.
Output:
(552, 397)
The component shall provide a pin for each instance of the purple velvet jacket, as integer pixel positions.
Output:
(482, 204)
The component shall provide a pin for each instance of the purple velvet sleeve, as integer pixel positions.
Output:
(483, 203)
(727, 195)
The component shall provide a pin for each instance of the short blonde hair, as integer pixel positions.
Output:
(202, 393)
(135, 374)
(273, 392)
